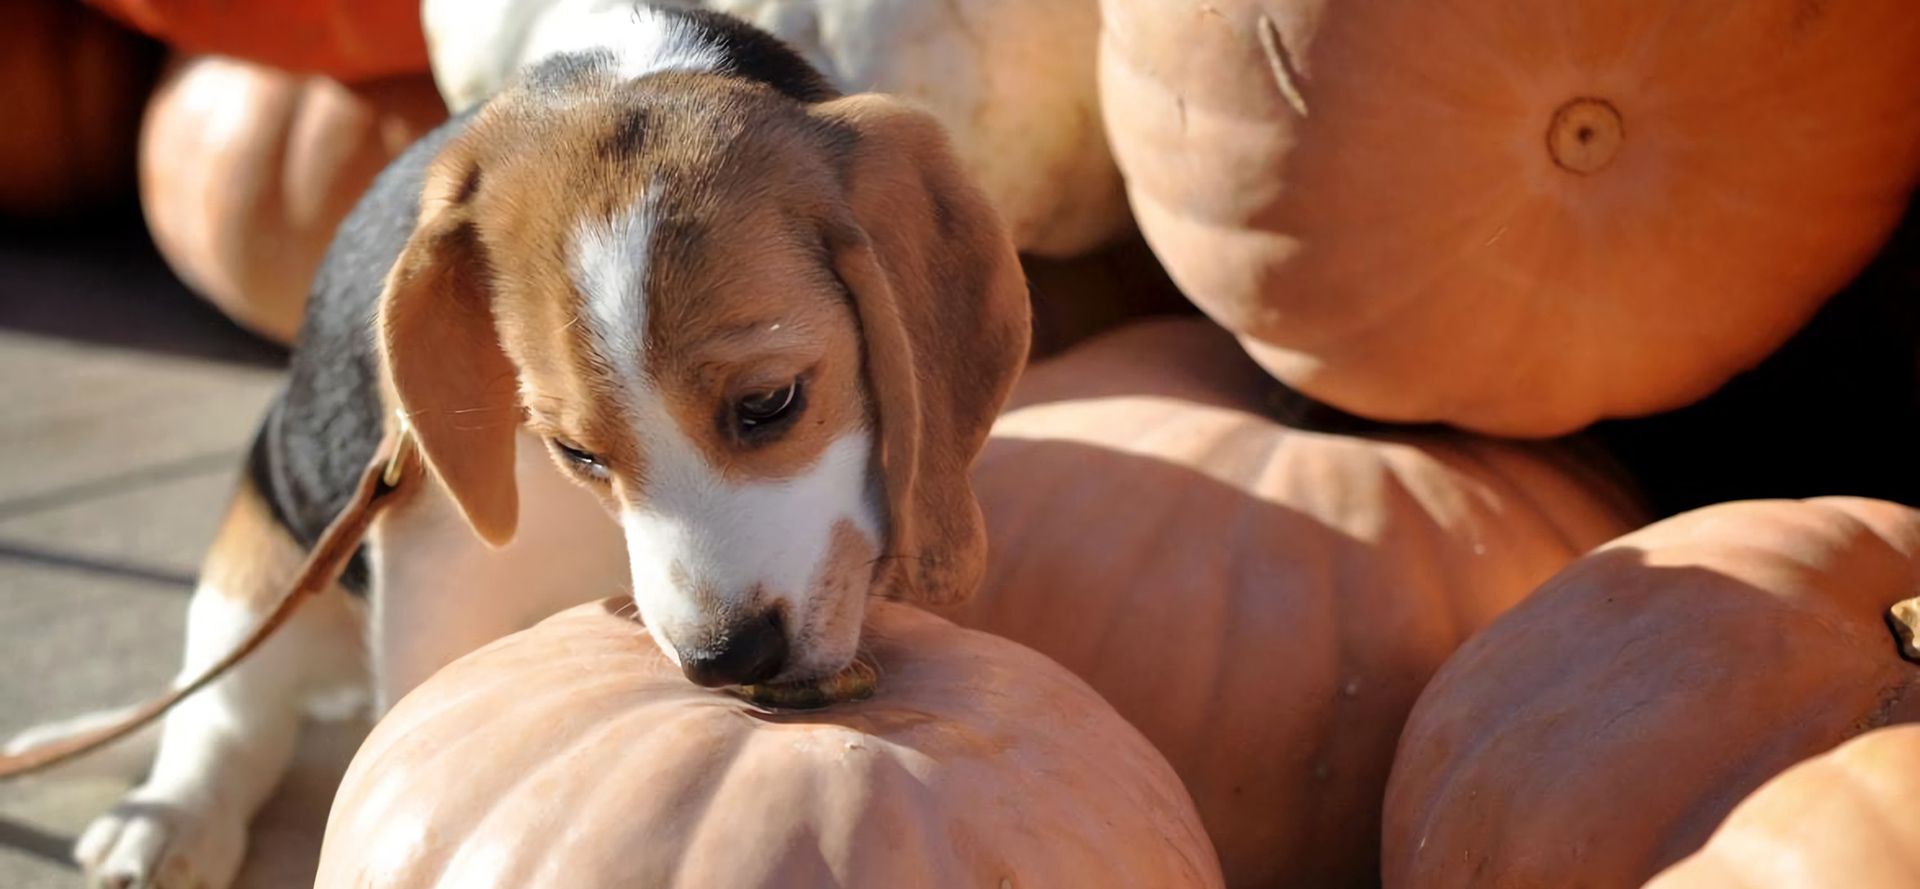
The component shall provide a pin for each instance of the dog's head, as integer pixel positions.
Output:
(770, 328)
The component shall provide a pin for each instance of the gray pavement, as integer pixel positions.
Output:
(125, 405)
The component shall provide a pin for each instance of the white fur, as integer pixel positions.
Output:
(733, 540)
(642, 40)
(223, 750)
(736, 545)
(609, 264)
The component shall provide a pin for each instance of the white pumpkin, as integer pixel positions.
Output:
(1012, 80)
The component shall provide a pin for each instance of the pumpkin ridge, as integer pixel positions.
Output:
(1475, 656)
(380, 743)
(1892, 706)
(1861, 791)
(1328, 573)
(470, 692)
(1440, 533)
(375, 802)
(675, 834)
(563, 752)
(1508, 332)
(1495, 477)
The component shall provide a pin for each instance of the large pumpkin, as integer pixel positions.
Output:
(1842, 819)
(72, 84)
(573, 755)
(1012, 80)
(1600, 731)
(347, 39)
(245, 172)
(1516, 216)
(1263, 602)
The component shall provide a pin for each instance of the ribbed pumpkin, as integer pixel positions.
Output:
(246, 170)
(1012, 80)
(1842, 819)
(72, 84)
(1515, 216)
(1263, 602)
(1601, 730)
(348, 39)
(573, 755)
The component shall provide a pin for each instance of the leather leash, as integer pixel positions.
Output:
(393, 467)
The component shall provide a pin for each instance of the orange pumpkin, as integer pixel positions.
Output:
(245, 172)
(1263, 602)
(1601, 730)
(348, 39)
(1844, 818)
(72, 84)
(1518, 216)
(574, 755)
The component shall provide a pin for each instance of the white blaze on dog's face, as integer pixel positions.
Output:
(770, 333)
(732, 434)
(680, 340)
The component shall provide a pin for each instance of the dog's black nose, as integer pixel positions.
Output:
(754, 651)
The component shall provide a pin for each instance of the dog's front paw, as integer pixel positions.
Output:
(151, 842)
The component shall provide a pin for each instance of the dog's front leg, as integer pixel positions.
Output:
(222, 751)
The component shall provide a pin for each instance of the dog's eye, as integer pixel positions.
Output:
(580, 459)
(760, 413)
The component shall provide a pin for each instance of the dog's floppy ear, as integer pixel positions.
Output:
(943, 311)
(442, 355)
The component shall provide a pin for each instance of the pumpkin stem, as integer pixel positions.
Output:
(1904, 618)
(1285, 75)
(1585, 134)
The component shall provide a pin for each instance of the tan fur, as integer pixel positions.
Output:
(252, 559)
(767, 210)
(444, 363)
(943, 307)
(849, 562)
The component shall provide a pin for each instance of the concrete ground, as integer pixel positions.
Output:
(125, 407)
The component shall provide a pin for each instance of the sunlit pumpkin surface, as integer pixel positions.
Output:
(575, 755)
(1844, 818)
(1602, 729)
(1264, 602)
(246, 170)
(1514, 216)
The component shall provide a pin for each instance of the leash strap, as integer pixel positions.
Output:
(392, 467)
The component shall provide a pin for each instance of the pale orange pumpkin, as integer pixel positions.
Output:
(72, 84)
(348, 39)
(1519, 216)
(1600, 731)
(1844, 818)
(1263, 602)
(573, 755)
(246, 170)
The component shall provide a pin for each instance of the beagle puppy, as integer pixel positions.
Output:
(668, 314)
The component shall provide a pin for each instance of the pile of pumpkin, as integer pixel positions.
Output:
(1356, 580)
